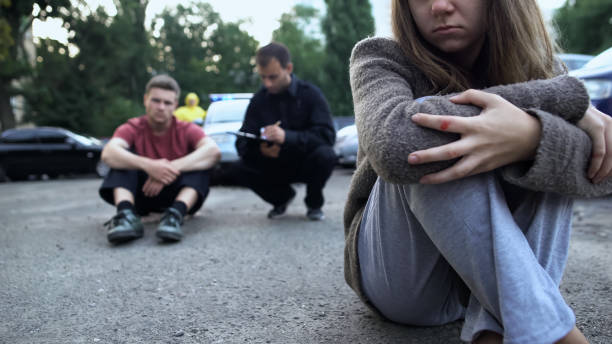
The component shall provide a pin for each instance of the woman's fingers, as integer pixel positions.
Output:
(605, 169)
(461, 169)
(451, 124)
(475, 97)
(598, 153)
(501, 134)
(449, 151)
(599, 128)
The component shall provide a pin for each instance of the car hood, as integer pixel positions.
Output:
(219, 128)
(588, 72)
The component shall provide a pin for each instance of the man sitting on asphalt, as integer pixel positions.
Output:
(158, 164)
(294, 117)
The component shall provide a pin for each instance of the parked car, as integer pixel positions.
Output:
(48, 151)
(597, 77)
(346, 145)
(575, 61)
(224, 115)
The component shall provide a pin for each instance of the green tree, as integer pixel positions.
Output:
(346, 22)
(16, 19)
(585, 26)
(202, 52)
(96, 81)
(100, 86)
(307, 50)
(233, 51)
(181, 37)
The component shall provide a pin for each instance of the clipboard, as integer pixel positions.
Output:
(248, 136)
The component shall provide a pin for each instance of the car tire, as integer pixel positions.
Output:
(101, 169)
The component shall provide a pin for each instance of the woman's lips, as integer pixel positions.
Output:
(446, 29)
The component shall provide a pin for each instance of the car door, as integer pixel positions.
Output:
(56, 152)
(20, 153)
(83, 155)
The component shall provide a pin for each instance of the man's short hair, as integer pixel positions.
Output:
(163, 81)
(273, 50)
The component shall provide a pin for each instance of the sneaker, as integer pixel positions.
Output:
(170, 225)
(124, 226)
(315, 214)
(279, 210)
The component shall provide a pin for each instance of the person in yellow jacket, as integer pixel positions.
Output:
(191, 111)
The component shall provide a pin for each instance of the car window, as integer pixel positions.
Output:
(227, 111)
(52, 136)
(574, 64)
(601, 60)
(52, 139)
(86, 141)
(19, 136)
(574, 61)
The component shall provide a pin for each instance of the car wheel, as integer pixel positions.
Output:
(102, 169)
(2, 175)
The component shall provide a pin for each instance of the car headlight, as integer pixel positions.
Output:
(598, 88)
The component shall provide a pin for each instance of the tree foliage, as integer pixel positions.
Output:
(585, 26)
(98, 88)
(233, 51)
(16, 17)
(204, 53)
(346, 22)
(307, 50)
(96, 80)
(93, 90)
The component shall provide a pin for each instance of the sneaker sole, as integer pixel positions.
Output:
(124, 236)
(170, 236)
(275, 216)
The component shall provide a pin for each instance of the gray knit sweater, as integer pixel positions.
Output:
(385, 85)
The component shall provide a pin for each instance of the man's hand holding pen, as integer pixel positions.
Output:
(273, 133)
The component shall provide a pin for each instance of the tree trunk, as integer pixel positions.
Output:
(7, 117)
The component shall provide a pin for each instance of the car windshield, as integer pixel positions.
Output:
(574, 61)
(227, 111)
(601, 60)
(86, 141)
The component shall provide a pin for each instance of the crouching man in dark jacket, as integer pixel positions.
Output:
(294, 117)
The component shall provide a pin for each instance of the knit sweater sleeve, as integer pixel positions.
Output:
(561, 163)
(384, 86)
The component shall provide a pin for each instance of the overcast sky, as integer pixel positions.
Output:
(262, 16)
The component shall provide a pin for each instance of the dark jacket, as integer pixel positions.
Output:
(304, 115)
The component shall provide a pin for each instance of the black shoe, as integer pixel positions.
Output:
(124, 226)
(170, 225)
(279, 210)
(315, 214)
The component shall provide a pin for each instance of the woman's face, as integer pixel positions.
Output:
(456, 27)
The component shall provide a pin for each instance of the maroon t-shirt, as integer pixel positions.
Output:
(179, 140)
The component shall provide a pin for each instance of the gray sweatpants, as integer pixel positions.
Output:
(421, 245)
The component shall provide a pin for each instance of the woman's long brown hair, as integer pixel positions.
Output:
(517, 47)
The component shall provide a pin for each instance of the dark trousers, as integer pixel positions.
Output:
(133, 180)
(273, 182)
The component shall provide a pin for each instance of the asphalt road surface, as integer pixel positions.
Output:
(237, 277)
